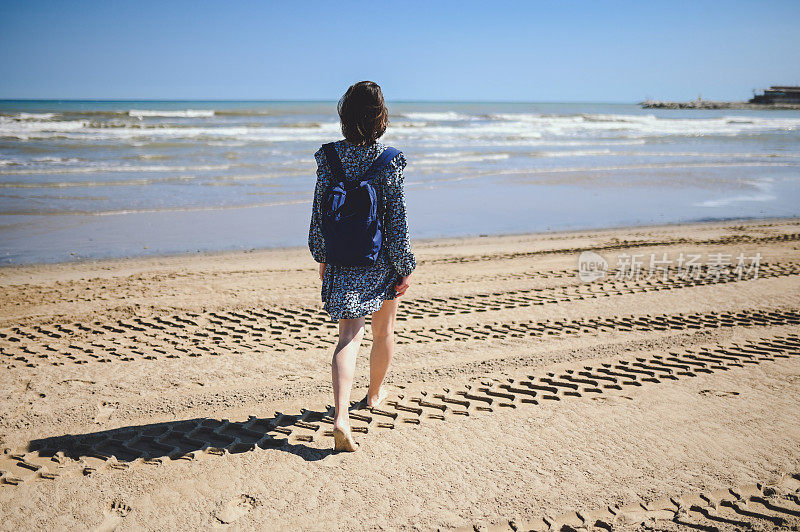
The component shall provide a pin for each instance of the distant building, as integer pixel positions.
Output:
(778, 94)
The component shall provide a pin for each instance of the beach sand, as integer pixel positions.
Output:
(192, 392)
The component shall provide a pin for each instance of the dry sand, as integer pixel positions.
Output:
(191, 392)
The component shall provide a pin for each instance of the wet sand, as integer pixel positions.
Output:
(192, 392)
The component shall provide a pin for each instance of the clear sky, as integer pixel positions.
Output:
(563, 50)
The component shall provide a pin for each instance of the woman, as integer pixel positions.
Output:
(350, 293)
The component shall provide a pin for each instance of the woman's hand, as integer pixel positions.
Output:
(322, 267)
(403, 285)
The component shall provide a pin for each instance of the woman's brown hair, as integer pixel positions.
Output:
(363, 113)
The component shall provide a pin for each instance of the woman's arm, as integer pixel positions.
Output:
(316, 243)
(397, 239)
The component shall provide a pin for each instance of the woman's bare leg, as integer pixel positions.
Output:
(380, 357)
(343, 367)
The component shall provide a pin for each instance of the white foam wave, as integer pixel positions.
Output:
(56, 160)
(106, 168)
(627, 167)
(647, 125)
(35, 116)
(449, 157)
(24, 130)
(724, 202)
(577, 153)
(441, 129)
(446, 116)
(82, 130)
(184, 113)
(194, 208)
(764, 193)
(152, 156)
(524, 172)
(458, 157)
(726, 155)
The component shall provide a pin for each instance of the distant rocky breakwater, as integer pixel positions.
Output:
(704, 104)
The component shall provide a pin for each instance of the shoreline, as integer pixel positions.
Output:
(222, 254)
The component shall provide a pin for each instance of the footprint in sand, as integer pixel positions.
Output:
(115, 513)
(292, 377)
(717, 393)
(613, 399)
(104, 411)
(235, 508)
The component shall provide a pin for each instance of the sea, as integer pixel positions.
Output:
(96, 179)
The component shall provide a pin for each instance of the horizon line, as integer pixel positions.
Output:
(310, 100)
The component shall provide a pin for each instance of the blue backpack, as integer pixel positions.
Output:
(351, 225)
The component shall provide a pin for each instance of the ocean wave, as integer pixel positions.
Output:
(578, 153)
(184, 113)
(248, 112)
(521, 117)
(643, 125)
(441, 158)
(765, 194)
(33, 116)
(138, 181)
(200, 180)
(113, 113)
(645, 166)
(191, 208)
(403, 123)
(49, 197)
(506, 128)
(106, 168)
(656, 154)
(309, 125)
(437, 158)
(724, 202)
(505, 142)
(519, 174)
(56, 160)
(83, 130)
(446, 116)
(152, 157)
(23, 129)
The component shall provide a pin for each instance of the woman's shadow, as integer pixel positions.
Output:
(185, 438)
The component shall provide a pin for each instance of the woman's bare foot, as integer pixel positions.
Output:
(376, 399)
(343, 439)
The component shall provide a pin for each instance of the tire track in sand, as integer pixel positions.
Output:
(191, 334)
(759, 506)
(193, 439)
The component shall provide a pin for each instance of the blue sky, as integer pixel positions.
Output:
(463, 50)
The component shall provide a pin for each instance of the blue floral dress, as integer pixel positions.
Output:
(356, 291)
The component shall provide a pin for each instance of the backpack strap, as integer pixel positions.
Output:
(380, 163)
(333, 161)
(377, 165)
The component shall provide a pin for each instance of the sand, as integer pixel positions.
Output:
(192, 392)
